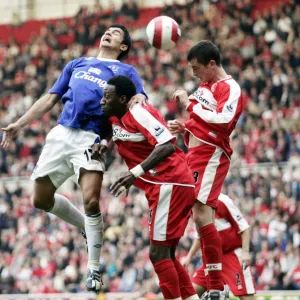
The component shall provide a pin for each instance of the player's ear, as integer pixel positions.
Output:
(123, 47)
(124, 99)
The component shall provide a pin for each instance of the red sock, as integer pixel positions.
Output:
(212, 249)
(204, 264)
(168, 278)
(185, 284)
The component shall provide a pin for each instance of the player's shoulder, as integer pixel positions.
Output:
(144, 109)
(226, 84)
(81, 61)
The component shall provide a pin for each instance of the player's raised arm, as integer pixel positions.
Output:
(40, 107)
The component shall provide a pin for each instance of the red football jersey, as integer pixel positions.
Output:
(229, 222)
(214, 111)
(137, 133)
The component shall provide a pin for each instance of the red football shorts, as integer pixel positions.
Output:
(170, 208)
(239, 281)
(210, 166)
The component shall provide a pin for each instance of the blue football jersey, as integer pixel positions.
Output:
(80, 86)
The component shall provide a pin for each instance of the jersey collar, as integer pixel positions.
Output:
(107, 59)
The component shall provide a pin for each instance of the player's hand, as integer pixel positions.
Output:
(138, 98)
(182, 97)
(97, 151)
(186, 261)
(9, 133)
(176, 126)
(122, 184)
(245, 260)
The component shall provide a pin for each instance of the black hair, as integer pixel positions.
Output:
(126, 40)
(124, 86)
(204, 52)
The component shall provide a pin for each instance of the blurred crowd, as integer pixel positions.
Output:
(260, 48)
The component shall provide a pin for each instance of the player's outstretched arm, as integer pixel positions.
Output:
(40, 107)
(245, 259)
(194, 249)
(158, 155)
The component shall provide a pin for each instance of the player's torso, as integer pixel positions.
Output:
(82, 107)
(88, 79)
(134, 148)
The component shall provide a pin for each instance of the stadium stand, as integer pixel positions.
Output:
(261, 49)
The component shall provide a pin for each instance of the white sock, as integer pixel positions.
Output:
(94, 235)
(66, 211)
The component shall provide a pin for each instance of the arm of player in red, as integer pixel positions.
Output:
(158, 155)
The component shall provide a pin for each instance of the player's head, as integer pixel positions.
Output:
(204, 58)
(116, 94)
(117, 37)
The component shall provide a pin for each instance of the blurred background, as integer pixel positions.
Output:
(260, 45)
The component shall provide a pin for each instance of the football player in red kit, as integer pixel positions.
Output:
(214, 109)
(160, 169)
(234, 232)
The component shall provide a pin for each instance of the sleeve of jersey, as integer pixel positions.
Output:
(226, 108)
(235, 216)
(135, 77)
(155, 132)
(61, 85)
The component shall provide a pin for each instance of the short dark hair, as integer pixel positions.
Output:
(204, 52)
(127, 39)
(124, 86)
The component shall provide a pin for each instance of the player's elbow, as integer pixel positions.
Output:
(170, 148)
(166, 149)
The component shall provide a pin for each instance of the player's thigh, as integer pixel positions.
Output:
(170, 209)
(209, 166)
(44, 191)
(239, 281)
(203, 214)
(52, 161)
(80, 154)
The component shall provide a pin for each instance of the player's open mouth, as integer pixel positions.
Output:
(107, 39)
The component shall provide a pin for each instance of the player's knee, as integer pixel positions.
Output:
(91, 204)
(158, 253)
(202, 214)
(42, 203)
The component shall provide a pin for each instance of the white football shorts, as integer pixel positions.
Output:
(66, 151)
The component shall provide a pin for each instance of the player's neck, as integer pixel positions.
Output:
(122, 111)
(219, 75)
(107, 54)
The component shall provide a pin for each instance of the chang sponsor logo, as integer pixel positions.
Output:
(87, 76)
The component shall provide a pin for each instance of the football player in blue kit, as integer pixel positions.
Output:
(67, 150)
